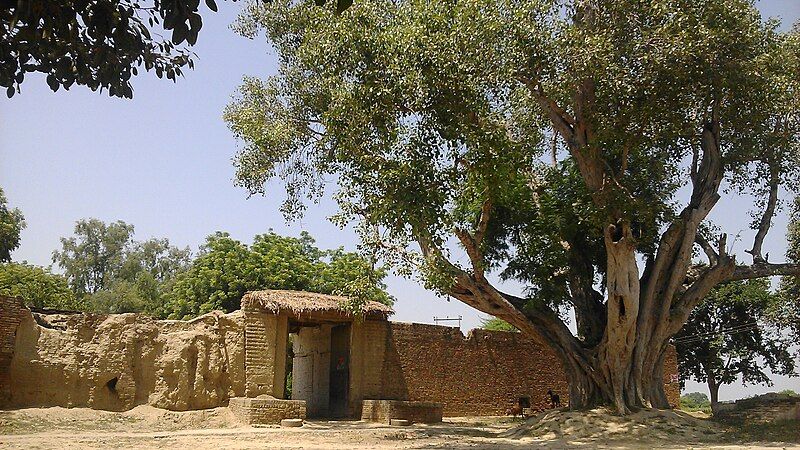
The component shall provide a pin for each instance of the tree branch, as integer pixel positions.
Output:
(763, 269)
(769, 212)
(712, 254)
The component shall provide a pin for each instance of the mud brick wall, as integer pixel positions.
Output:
(265, 353)
(484, 373)
(12, 312)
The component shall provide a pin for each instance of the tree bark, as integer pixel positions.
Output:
(713, 389)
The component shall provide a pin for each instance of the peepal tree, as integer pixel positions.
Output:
(557, 143)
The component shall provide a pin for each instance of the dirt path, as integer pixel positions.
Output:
(147, 428)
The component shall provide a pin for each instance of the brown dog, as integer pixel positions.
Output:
(515, 411)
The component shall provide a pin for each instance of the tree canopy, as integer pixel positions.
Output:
(734, 334)
(555, 142)
(37, 286)
(227, 268)
(12, 222)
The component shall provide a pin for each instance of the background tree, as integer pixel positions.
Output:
(227, 268)
(495, 324)
(94, 255)
(12, 222)
(112, 273)
(694, 401)
(551, 140)
(38, 287)
(788, 311)
(731, 335)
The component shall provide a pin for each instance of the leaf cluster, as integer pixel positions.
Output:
(100, 44)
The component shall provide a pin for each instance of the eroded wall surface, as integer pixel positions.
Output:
(116, 362)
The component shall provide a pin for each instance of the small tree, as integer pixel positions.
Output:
(730, 335)
(695, 401)
(12, 222)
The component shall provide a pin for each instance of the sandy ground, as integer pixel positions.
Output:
(145, 427)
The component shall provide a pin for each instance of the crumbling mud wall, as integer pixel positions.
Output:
(116, 362)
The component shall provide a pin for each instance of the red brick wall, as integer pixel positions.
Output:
(11, 314)
(484, 373)
(672, 384)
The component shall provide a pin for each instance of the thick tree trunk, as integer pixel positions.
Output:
(587, 390)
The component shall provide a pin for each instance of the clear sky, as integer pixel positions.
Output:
(162, 162)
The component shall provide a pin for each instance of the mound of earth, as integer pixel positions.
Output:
(143, 418)
(600, 425)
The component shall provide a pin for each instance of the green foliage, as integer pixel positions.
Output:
(95, 254)
(424, 111)
(37, 287)
(788, 311)
(12, 223)
(789, 392)
(695, 401)
(495, 324)
(731, 334)
(98, 44)
(225, 269)
(112, 273)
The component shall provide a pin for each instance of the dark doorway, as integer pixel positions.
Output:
(340, 371)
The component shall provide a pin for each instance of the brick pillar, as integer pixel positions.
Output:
(11, 313)
(265, 338)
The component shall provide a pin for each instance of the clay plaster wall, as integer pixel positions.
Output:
(119, 361)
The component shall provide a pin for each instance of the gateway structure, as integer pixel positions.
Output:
(340, 365)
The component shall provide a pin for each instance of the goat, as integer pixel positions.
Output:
(555, 400)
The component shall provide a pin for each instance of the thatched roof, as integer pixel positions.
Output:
(301, 303)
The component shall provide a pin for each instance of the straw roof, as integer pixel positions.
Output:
(297, 303)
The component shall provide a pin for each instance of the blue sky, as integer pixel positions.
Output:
(162, 162)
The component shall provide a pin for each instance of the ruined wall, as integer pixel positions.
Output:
(119, 361)
(484, 373)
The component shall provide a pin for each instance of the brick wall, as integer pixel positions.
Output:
(484, 373)
(261, 411)
(11, 313)
(415, 412)
(672, 385)
(265, 353)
